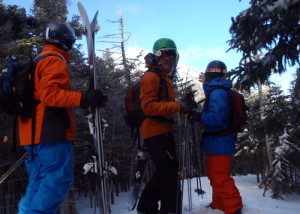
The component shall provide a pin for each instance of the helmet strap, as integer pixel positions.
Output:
(174, 68)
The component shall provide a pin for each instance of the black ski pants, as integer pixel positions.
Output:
(163, 185)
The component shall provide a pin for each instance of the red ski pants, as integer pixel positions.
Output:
(225, 195)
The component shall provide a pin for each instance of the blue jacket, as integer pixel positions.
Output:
(214, 119)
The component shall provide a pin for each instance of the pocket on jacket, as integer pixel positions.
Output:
(55, 123)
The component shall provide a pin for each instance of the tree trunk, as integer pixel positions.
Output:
(262, 115)
(127, 71)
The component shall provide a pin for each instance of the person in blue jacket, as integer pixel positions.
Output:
(218, 148)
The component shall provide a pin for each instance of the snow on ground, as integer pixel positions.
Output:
(254, 202)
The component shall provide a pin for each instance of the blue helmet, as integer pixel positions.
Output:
(60, 34)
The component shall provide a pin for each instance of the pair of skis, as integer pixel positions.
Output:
(95, 116)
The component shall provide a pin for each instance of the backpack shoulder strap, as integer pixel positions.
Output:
(218, 87)
(162, 84)
(38, 58)
(49, 53)
(215, 87)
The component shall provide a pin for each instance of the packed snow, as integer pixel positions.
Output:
(253, 200)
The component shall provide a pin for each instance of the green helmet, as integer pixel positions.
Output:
(163, 44)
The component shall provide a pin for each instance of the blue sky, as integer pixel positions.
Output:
(200, 28)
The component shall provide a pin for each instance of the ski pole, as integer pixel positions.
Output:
(181, 173)
(188, 162)
(12, 169)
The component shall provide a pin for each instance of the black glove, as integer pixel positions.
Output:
(93, 98)
(192, 114)
(188, 104)
(190, 101)
(184, 108)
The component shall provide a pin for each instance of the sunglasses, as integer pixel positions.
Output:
(168, 54)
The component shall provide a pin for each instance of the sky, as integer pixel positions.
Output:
(252, 196)
(200, 28)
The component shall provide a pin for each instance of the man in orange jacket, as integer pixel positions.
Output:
(157, 128)
(49, 144)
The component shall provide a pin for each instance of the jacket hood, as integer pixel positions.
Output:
(207, 86)
(151, 62)
(160, 69)
(50, 47)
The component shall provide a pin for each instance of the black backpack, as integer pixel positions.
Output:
(134, 115)
(16, 91)
(238, 109)
(17, 87)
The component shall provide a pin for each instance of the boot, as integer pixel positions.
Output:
(211, 206)
(239, 211)
(149, 212)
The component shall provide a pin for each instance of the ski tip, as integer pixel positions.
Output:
(94, 21)
(81, 9)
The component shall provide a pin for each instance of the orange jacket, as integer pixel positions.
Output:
(152, 107)
(54, 119)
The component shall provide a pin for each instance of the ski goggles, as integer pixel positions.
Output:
(168, 54)
(217, 70)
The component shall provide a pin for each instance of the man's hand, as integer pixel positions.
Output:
(188, 104)
(201, 77)
(93, 98)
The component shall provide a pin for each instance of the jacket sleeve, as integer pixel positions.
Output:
(149, 97)
(217, 112)
(55, 84)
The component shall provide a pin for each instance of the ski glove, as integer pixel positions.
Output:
(188, 103)
(185, 109)
(93, 98)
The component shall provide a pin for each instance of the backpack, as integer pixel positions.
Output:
(134, 115)
(17, 87)
(238, 110)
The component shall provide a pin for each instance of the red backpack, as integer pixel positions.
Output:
(238, 112)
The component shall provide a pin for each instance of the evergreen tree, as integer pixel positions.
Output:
(285, 176)
(252, 139)
(16, 33)
(16, 42)
(46, 11)
(272, 28)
